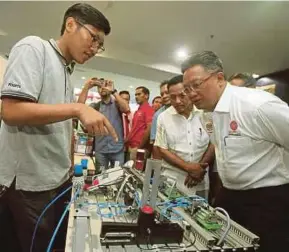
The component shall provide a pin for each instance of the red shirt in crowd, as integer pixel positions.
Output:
(142, 117)
(126, 124)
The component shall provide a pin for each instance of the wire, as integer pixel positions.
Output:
(223, 237)
(43, 212)
(60, 221)
(119, 209)
(187, 200)
(137, 198)
(172, 188)
(122, 187)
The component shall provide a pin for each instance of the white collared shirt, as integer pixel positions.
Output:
(184, 137)
(251, 137)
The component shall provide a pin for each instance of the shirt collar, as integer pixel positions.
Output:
(173, 111)
(143, 105)
(110, 101)
(70, 66)
(223, 104)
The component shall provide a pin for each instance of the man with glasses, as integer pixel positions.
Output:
(37, 112)
(249, 129)
(183, 143)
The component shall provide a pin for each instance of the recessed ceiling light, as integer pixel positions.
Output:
(83, 78)
(255, 76)
(3, 33)
(182, 54)
(130, 86)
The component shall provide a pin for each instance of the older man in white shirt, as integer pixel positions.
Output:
(183, 143)
(249, 129)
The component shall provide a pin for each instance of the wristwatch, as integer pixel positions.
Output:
(113, 91)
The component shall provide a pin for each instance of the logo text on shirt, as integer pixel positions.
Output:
(10, 84)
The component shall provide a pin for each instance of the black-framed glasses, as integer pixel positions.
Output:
(96, 41)
(196, 86)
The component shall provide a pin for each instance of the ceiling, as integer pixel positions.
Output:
(248, 36)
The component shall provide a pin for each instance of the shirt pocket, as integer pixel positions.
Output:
(236, 148)
(238, 151)
(202, 139)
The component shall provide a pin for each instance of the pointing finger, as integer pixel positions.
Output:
(110, 129)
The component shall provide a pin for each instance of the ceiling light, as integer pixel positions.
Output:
(130, 86)
(255, 76)
(3, 33)
(182, 54)
(83, 78)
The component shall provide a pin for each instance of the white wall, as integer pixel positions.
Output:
(122, 82)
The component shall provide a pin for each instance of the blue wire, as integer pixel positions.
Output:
(137, 199)
(60, 221)
(43, 212)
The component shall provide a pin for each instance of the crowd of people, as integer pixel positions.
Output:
(200, 125)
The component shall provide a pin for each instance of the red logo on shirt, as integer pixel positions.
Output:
(233, 125)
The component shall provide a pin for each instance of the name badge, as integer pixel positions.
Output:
(234, 129)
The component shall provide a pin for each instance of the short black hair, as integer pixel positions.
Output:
(86, 14)
(175, 80)
(249, 80)
(207, 59)
(144, 90)
(157, 97)
(124, 92)
(165, 82)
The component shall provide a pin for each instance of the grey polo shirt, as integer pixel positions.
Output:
(39, 157)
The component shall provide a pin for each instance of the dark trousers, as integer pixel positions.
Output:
(22, 209)
(263, 211)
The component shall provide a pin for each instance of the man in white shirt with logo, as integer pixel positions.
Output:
(183, 143)
(250, 134)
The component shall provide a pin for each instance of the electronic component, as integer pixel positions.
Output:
(207, 219)
(140, 211)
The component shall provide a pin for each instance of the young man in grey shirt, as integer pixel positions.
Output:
(37, 112)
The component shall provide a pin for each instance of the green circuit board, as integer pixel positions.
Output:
(207, 220)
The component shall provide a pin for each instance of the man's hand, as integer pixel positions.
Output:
(197, 170)
(93, 82)
(190, 181)
(95, 123)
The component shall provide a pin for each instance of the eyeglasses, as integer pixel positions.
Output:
(96, 41)
(196, 86)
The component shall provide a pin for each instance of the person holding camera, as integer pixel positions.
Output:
(111, 105)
